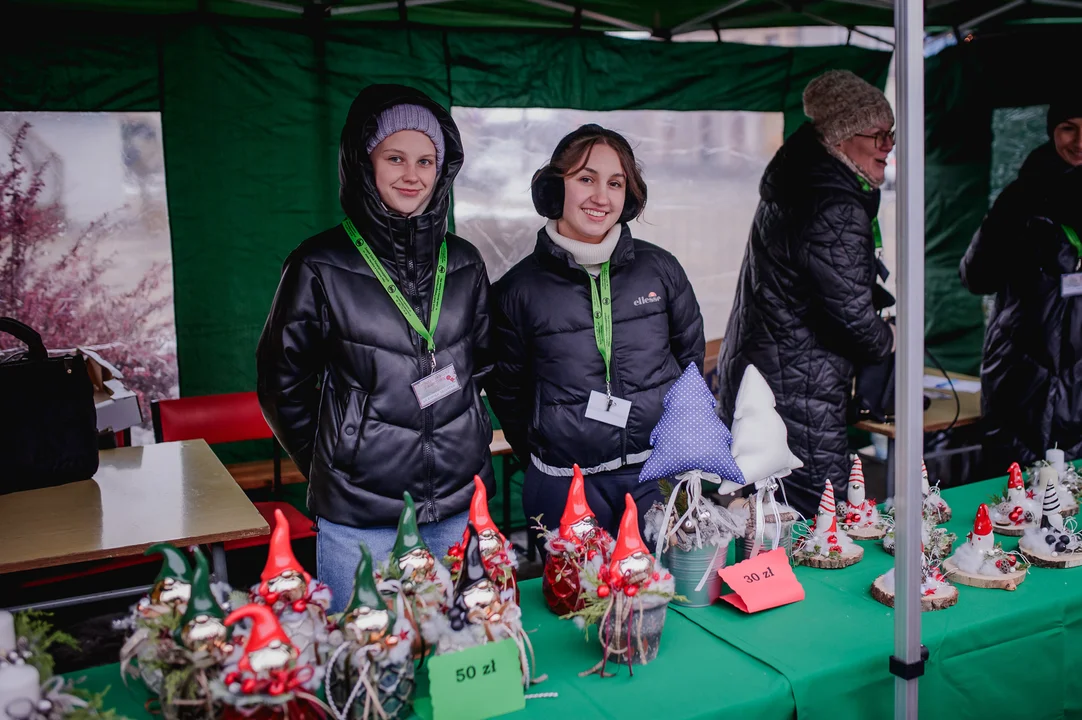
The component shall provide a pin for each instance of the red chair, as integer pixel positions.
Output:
(232, 417)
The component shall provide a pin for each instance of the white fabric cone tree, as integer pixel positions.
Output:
(760, 440)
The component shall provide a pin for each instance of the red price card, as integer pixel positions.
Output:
(764, 582)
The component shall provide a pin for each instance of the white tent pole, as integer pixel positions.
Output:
(908, 403)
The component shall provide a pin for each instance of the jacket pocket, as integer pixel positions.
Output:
(350, 429)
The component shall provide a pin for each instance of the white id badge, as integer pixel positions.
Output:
(598, 409)
(1070, 285)
(436, 387)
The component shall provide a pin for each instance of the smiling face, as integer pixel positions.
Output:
(405, 168)
(1067, 137)
(594, 196)
(868, 150)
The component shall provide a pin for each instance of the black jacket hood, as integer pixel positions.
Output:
(357, 185)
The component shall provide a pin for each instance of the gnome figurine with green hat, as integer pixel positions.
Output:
(371, 672)
(414, 572)
(202, 628)
(172, 587)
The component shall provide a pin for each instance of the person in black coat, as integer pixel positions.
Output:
(804, 313)
(1026, 249)
(551, 384)
(338, 361)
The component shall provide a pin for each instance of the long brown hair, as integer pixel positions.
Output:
(574, 157)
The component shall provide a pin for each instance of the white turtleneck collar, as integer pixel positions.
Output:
(589, 255)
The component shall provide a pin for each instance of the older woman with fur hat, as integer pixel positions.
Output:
(1027, 253)
(806, 312)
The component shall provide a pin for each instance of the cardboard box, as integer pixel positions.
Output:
(117, 406)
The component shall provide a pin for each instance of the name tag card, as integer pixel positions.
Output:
(474, 684)
(1070, 285)
(598, 409)
(437, 386)
(764, 582)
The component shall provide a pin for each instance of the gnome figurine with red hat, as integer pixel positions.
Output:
(627, 597)
(859, 514)
(826, 545)
(981, 562)
(1019, 510)
(272, 677)
(299, 600)
(497, 552)
(578, 540)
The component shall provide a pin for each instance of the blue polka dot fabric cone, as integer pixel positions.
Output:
(690, 435)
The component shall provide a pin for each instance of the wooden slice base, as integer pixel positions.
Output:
(1068, 511)
(1009, 581)
(1045, 560)
(1012, 530)
(940, 601)
(866, 533)
(831, 563)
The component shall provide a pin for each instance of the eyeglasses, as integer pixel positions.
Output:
(883, 140)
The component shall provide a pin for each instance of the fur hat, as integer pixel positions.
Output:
(840, 105)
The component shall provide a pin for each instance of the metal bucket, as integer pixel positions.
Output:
(770, 531)
(688, 567)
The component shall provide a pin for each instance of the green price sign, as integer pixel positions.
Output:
(474, 684)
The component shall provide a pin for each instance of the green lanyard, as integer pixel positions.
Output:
(1072, 237)
(877, 232)
(602, 311)
(392, 289)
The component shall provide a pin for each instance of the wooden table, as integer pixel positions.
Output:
(943, 413)
(170, 492)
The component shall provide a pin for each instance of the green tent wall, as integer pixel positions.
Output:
(251, 114)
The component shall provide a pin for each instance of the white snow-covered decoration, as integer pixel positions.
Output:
(1056, 539)
(859, 514)
(824, 539)
(935, 506)
(760, 440)
(1043, 473)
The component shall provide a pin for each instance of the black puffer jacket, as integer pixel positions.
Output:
(337, 359)
(803, 313)
(547, 361)
(1031, 379)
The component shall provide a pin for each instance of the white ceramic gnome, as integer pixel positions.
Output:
(859, 511)
(826, 540)
(1052, 539)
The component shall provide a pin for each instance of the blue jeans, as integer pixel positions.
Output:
(338, 550)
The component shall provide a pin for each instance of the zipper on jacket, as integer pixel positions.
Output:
(423, 357)
(618, 390)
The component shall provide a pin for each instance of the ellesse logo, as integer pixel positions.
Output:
(652, 297)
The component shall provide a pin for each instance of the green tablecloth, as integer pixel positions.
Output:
(995, 654)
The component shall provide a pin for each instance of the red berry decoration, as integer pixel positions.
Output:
(248, 686)
(603, 591)
(272, 598)
(631, 590)
(300, 606)
(232, 678)
(277, 687)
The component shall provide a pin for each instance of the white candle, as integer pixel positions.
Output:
(1056, 457)
(7, 631)
(20, 690)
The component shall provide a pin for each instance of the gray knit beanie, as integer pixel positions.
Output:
(408, 117)
(840, 105)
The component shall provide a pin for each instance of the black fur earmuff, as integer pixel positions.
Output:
(547, 188)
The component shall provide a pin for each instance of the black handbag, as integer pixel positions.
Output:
(48, 425)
